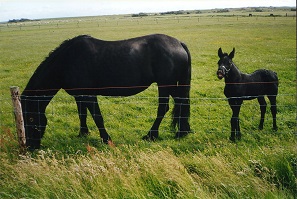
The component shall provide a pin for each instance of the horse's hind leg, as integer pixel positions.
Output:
(82, 114)
(162, 110)
(181, 116)
(273, 109)
(263, 106)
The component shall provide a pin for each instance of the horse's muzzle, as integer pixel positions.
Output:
(220, 74)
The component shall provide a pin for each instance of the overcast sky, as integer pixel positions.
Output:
(38, 9)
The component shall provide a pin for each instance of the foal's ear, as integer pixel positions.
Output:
(220, 53)
(231, 55)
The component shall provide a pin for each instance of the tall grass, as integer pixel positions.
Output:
(202, 165)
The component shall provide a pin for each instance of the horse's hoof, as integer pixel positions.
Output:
(232, 139)
(275, 128)
(149, 138)
(181, 134)
(106, 140)
(83, 134)
(238, 136)
(260, 127)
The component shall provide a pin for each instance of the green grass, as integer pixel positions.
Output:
(202, 165)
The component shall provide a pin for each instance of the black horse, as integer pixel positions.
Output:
(240, 86)
(86, 67)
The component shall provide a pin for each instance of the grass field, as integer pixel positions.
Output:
(202, 165)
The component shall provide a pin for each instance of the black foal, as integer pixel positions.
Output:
(240, 86)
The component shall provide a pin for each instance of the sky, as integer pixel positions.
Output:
(39, 9)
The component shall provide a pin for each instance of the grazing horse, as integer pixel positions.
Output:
(240, 86)
(86, 67)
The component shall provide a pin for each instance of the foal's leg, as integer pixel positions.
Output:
(273, 109)
(162, 110)
(82, 114)
(235, 105)
(263, 106)
(94, 109)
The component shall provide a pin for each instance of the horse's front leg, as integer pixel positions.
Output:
(235, 105)
(94, 109)
(82, 114)
(162, 110)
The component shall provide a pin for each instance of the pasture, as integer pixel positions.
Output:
(205, 164)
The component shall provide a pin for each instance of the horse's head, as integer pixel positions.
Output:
(34, 121)
(225, 63)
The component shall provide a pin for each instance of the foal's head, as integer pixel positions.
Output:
(225, 63)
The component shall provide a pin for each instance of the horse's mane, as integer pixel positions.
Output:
(33, 82)
(225, 54)
(60, 48)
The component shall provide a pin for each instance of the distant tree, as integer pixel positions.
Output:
(18, 20)
(140, 15)
(258, 10)
(223, 10)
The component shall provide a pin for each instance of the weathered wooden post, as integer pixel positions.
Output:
(15, 96)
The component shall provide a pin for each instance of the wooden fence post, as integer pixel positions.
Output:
(15, 95)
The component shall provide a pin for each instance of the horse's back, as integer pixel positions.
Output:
(266, 75)
(267, 80)
(135, 62)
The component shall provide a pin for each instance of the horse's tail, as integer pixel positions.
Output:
(276, 82)
(181, 110)
(271, 78)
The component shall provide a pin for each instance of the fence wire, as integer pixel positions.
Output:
(134, 115)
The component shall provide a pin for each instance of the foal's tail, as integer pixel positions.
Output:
(181, 110)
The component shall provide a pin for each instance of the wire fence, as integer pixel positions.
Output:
(101, 22)
(136, 114)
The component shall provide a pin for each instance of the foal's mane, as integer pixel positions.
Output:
(225, 54)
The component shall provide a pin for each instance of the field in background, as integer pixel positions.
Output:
(204, 164)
